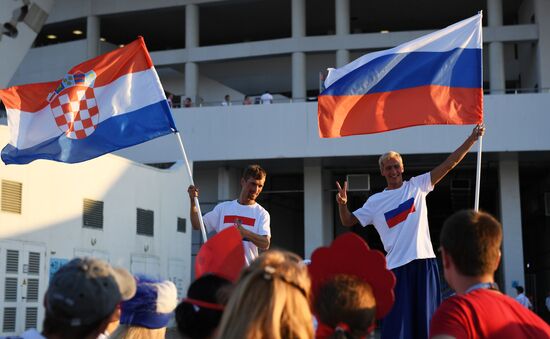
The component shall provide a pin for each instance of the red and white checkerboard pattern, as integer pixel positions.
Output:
(76, 112)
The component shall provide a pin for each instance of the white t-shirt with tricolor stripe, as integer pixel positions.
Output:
(252, 217)
(401, 218)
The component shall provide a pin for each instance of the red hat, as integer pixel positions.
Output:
(222, 255)
(350, 254)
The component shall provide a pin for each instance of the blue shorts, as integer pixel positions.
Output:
(417, 296)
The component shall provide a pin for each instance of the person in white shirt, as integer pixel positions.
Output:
(226, 100)
(399, 214)
(250, 218)
(266, 98)
(522, 298)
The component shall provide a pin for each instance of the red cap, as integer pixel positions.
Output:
(350, 254)
(222, 255)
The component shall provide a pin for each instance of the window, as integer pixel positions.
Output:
(182, 225)
(11, 196)
(92, 214)
(145, 222)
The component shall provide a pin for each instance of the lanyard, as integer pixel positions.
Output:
(487, 285)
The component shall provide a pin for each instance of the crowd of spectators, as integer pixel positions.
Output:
(339, 293)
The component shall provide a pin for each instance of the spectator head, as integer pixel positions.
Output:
(472, 241)
(349, 295)
(254, 172)
(199, 315)
(187, 102)
(345, 304)
(83, 296)
(520, 289)
(270, 297)
(247, 100)
(149, 311)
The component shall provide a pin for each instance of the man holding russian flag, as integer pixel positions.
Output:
(435, 79)
(400, 216)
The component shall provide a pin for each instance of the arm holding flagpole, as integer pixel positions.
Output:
(196, 215)
(456, 157)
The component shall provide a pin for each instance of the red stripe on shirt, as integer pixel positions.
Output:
(232, 219)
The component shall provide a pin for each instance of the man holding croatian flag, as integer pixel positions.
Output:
(435, 79)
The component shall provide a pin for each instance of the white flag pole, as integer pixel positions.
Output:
(478, 173)
(480, 144)
(195, 199)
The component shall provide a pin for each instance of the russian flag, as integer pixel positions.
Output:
(400, 213)
(435, 79)
(104, 104)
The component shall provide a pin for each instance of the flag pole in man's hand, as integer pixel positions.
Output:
(195, 199)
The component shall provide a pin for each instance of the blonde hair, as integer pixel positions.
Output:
(270, 300)
(137, 332)
(389, 155)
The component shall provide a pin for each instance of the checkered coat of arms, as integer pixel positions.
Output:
(74, 106)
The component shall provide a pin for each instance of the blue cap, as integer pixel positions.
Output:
(152, 305)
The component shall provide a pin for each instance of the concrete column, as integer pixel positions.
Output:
(317, 208)
(298, 18)
(299, 86)
(92, 36)
(510, 207)
(542, 18)
(192, 81)
(299, 76)
(496, 50)
(229, 186)
(342, 28)
(191, 26)
(342, 57)
(191, 41)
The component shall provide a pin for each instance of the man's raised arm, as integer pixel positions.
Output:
(456, 157)
(346, 217)
(194, 211)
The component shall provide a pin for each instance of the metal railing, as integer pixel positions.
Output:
(257, 101)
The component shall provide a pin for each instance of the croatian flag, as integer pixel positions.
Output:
(104, 104)
(435, 79)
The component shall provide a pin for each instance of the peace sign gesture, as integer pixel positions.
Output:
(342, 196)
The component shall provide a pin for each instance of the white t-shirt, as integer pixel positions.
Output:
(266, 98)
(253, 218)
(523, 300)
(401, 218)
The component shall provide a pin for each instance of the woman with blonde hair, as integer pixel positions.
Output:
(270, 300)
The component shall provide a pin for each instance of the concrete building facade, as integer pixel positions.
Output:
(205, 49)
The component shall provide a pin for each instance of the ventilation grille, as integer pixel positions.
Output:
(145, 222)
(31, 317)
(182, 225)
(11, 196)
(8, 324)
(12, 261)
(10, 289)
(358, 182)
(32, 290)
(34, 263)
(93, 214)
